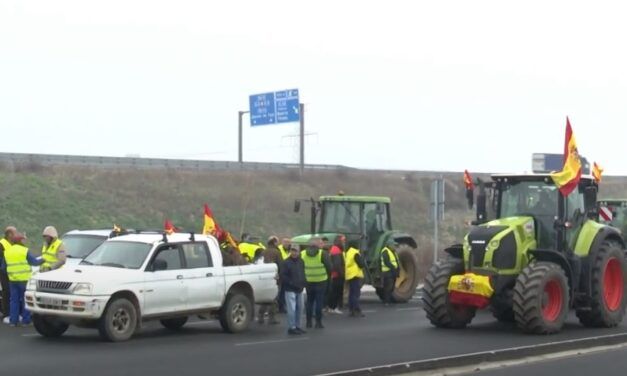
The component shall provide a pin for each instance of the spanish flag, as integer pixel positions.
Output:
(597, 171)
(169, 227)
(468, 181)
(210, 226)
(568, 179)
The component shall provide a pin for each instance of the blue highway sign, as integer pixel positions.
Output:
(274, 108)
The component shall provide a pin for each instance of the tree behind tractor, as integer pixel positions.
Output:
(541, 254)
(367, 224)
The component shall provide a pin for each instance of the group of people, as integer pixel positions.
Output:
(16, 264)
(322, 271)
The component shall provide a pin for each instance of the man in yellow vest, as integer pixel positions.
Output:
(5, 243)
(354, 275)
(389, 270)
(53, 250)
(18, 261)
(317, 270)
(248, 248)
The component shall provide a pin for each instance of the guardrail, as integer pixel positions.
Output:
(14, 159)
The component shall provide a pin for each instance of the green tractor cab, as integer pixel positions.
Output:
(366, 222)
(613, 212)
(531, 255)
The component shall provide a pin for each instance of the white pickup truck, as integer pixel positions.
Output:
(149, 276)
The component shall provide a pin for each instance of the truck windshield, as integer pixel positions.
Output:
(342, 217)
(119, 254)
(79, 246)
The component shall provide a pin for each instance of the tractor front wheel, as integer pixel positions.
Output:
(541, 298)
(440, 311)
(608, 286)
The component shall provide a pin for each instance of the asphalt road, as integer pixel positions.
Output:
(386, 335)
(606, 363)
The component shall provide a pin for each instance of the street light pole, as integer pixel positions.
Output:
(240, 139)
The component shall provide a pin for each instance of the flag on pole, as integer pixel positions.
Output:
(169, 227)
(597, 171)
(568, 179)
(210, 226)
(468, 181)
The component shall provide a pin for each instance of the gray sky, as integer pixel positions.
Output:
(388, 84)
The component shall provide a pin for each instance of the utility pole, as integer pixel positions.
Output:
(240, 138)
(437, 212)
(302, 137)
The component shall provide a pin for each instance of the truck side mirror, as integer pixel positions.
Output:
(296, 206)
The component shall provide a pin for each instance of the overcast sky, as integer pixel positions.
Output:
(440, 85)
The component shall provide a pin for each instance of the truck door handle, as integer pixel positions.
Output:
(209, 274)
(179, 277)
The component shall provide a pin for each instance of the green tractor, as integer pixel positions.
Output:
(540, 255)
(614, 213)
(367, 225)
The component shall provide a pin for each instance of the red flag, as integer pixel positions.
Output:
(210, 226)
(468, 181)
(568, 179)
(169, 227)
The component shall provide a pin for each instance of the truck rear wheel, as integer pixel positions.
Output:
(49, 327)
(174, 324)
(608, 274)
(407, 281)
(236, 313)
(119, 321)
(541, 298)
(435, 297)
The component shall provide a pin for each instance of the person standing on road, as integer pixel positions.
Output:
(389, 270)
(18, 262)
(284, 248)
(5, 243)
(317, 270)
(336, 293)
(271, 255)
(354, 276)
(53, 250)
(292, 277)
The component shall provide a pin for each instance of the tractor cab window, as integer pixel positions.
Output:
(376, 222)
(536, 199)
(342, 217)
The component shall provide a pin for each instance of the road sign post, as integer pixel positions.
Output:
(437, 212)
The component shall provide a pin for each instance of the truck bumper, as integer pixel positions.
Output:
(70, 306)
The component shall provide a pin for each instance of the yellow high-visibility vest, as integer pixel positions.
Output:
(49, 253)
(18, 268)
(284, 252)
(5, 244)
(314, 267)
(393, 259)
(352, 269)
(248, 250)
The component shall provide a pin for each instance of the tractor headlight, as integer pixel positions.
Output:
(494, 244)
(31, 285)
(82, 289)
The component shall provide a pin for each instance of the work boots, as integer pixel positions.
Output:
(319, 324)
(309, 324)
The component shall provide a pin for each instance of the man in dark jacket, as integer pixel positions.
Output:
(292, 277)
(336, 290)
(271, 255)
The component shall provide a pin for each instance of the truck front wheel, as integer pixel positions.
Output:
(236, 313)
(119, 321)
(49, 327)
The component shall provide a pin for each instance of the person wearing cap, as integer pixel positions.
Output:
(18, 263)
(389, 270)
(53, 250)
(5, 243)
(271, 255)
(292, 277)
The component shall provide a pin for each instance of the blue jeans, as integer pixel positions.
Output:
(354, 292)
(315, 299)
(294, 305)
(17, 307)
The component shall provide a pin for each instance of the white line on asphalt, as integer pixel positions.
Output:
(30, 335)
(269, 342)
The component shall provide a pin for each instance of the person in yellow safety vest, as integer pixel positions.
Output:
(5, 243)
(389, 270)
(248, 249)
(53, 250)
(317, 271)
(18, 261)
(284, 247)
(354, 275)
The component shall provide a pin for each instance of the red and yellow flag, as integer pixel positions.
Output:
(597, 171)
(210, 226)
(568, 179)
(468, 181)
(169, 227)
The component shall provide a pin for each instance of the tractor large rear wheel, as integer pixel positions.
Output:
(541, 298)
(435, 297)
(608, 274)
(407, 281)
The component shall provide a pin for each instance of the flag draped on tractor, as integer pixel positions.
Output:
(568, 179)
(597, 171)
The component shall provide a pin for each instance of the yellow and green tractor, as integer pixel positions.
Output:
(530, 257)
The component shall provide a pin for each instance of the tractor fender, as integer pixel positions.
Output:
(555, 257)
(455, 251)
(401, 238)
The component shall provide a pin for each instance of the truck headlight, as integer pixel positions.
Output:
(31, 285)
(82, 289)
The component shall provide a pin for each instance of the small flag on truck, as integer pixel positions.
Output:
(597, 171)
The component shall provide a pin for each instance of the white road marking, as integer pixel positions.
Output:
(269, 342)
(30, 335)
